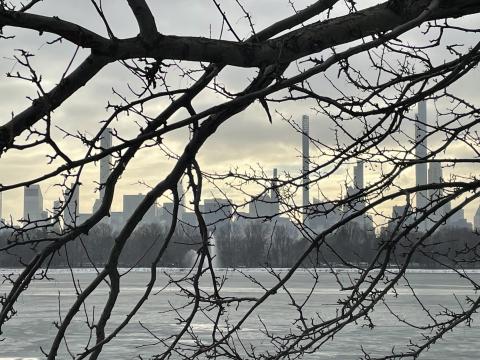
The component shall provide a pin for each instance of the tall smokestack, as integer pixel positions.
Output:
(305, 160)
(105, 167)
(421, 171)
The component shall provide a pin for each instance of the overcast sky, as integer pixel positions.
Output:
(247, 140)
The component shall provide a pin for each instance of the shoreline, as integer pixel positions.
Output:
(88, 270)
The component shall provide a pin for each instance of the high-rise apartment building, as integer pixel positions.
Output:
(274, 193)
(476, 220)
(32, 203)
(181, 197)
(57, 206)
(266, 205)
(358, 182)
(421, 173)
(56, 209)
(216, 211)
(435, 195)
(72, 208)
(105, 166)
(130, 204)
(435, 177)
(105, 162)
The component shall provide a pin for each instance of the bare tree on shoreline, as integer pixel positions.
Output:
(288, 56)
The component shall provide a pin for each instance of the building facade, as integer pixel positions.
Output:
(32, 203)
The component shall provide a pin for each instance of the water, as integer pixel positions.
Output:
(42, 303)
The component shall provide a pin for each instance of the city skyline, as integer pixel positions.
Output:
(250, 147)
(34, 208)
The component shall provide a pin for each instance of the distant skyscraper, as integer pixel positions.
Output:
(32, 202)
(358, 181)
(305, 160)
(130, 204)
(181, 196)
(434, 195)
(105, 166)
(435, 177)
(421, 153)
(57, 207)
(165, 213)
(476, 220)
(105, 163)
(216, 211)
(457, 220)
(274, 193)
(265, 205)
(72, 208)
(400, 213)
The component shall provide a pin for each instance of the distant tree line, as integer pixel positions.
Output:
(254, 244)
(92, 250)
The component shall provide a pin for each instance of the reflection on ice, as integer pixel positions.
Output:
(33, 326)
